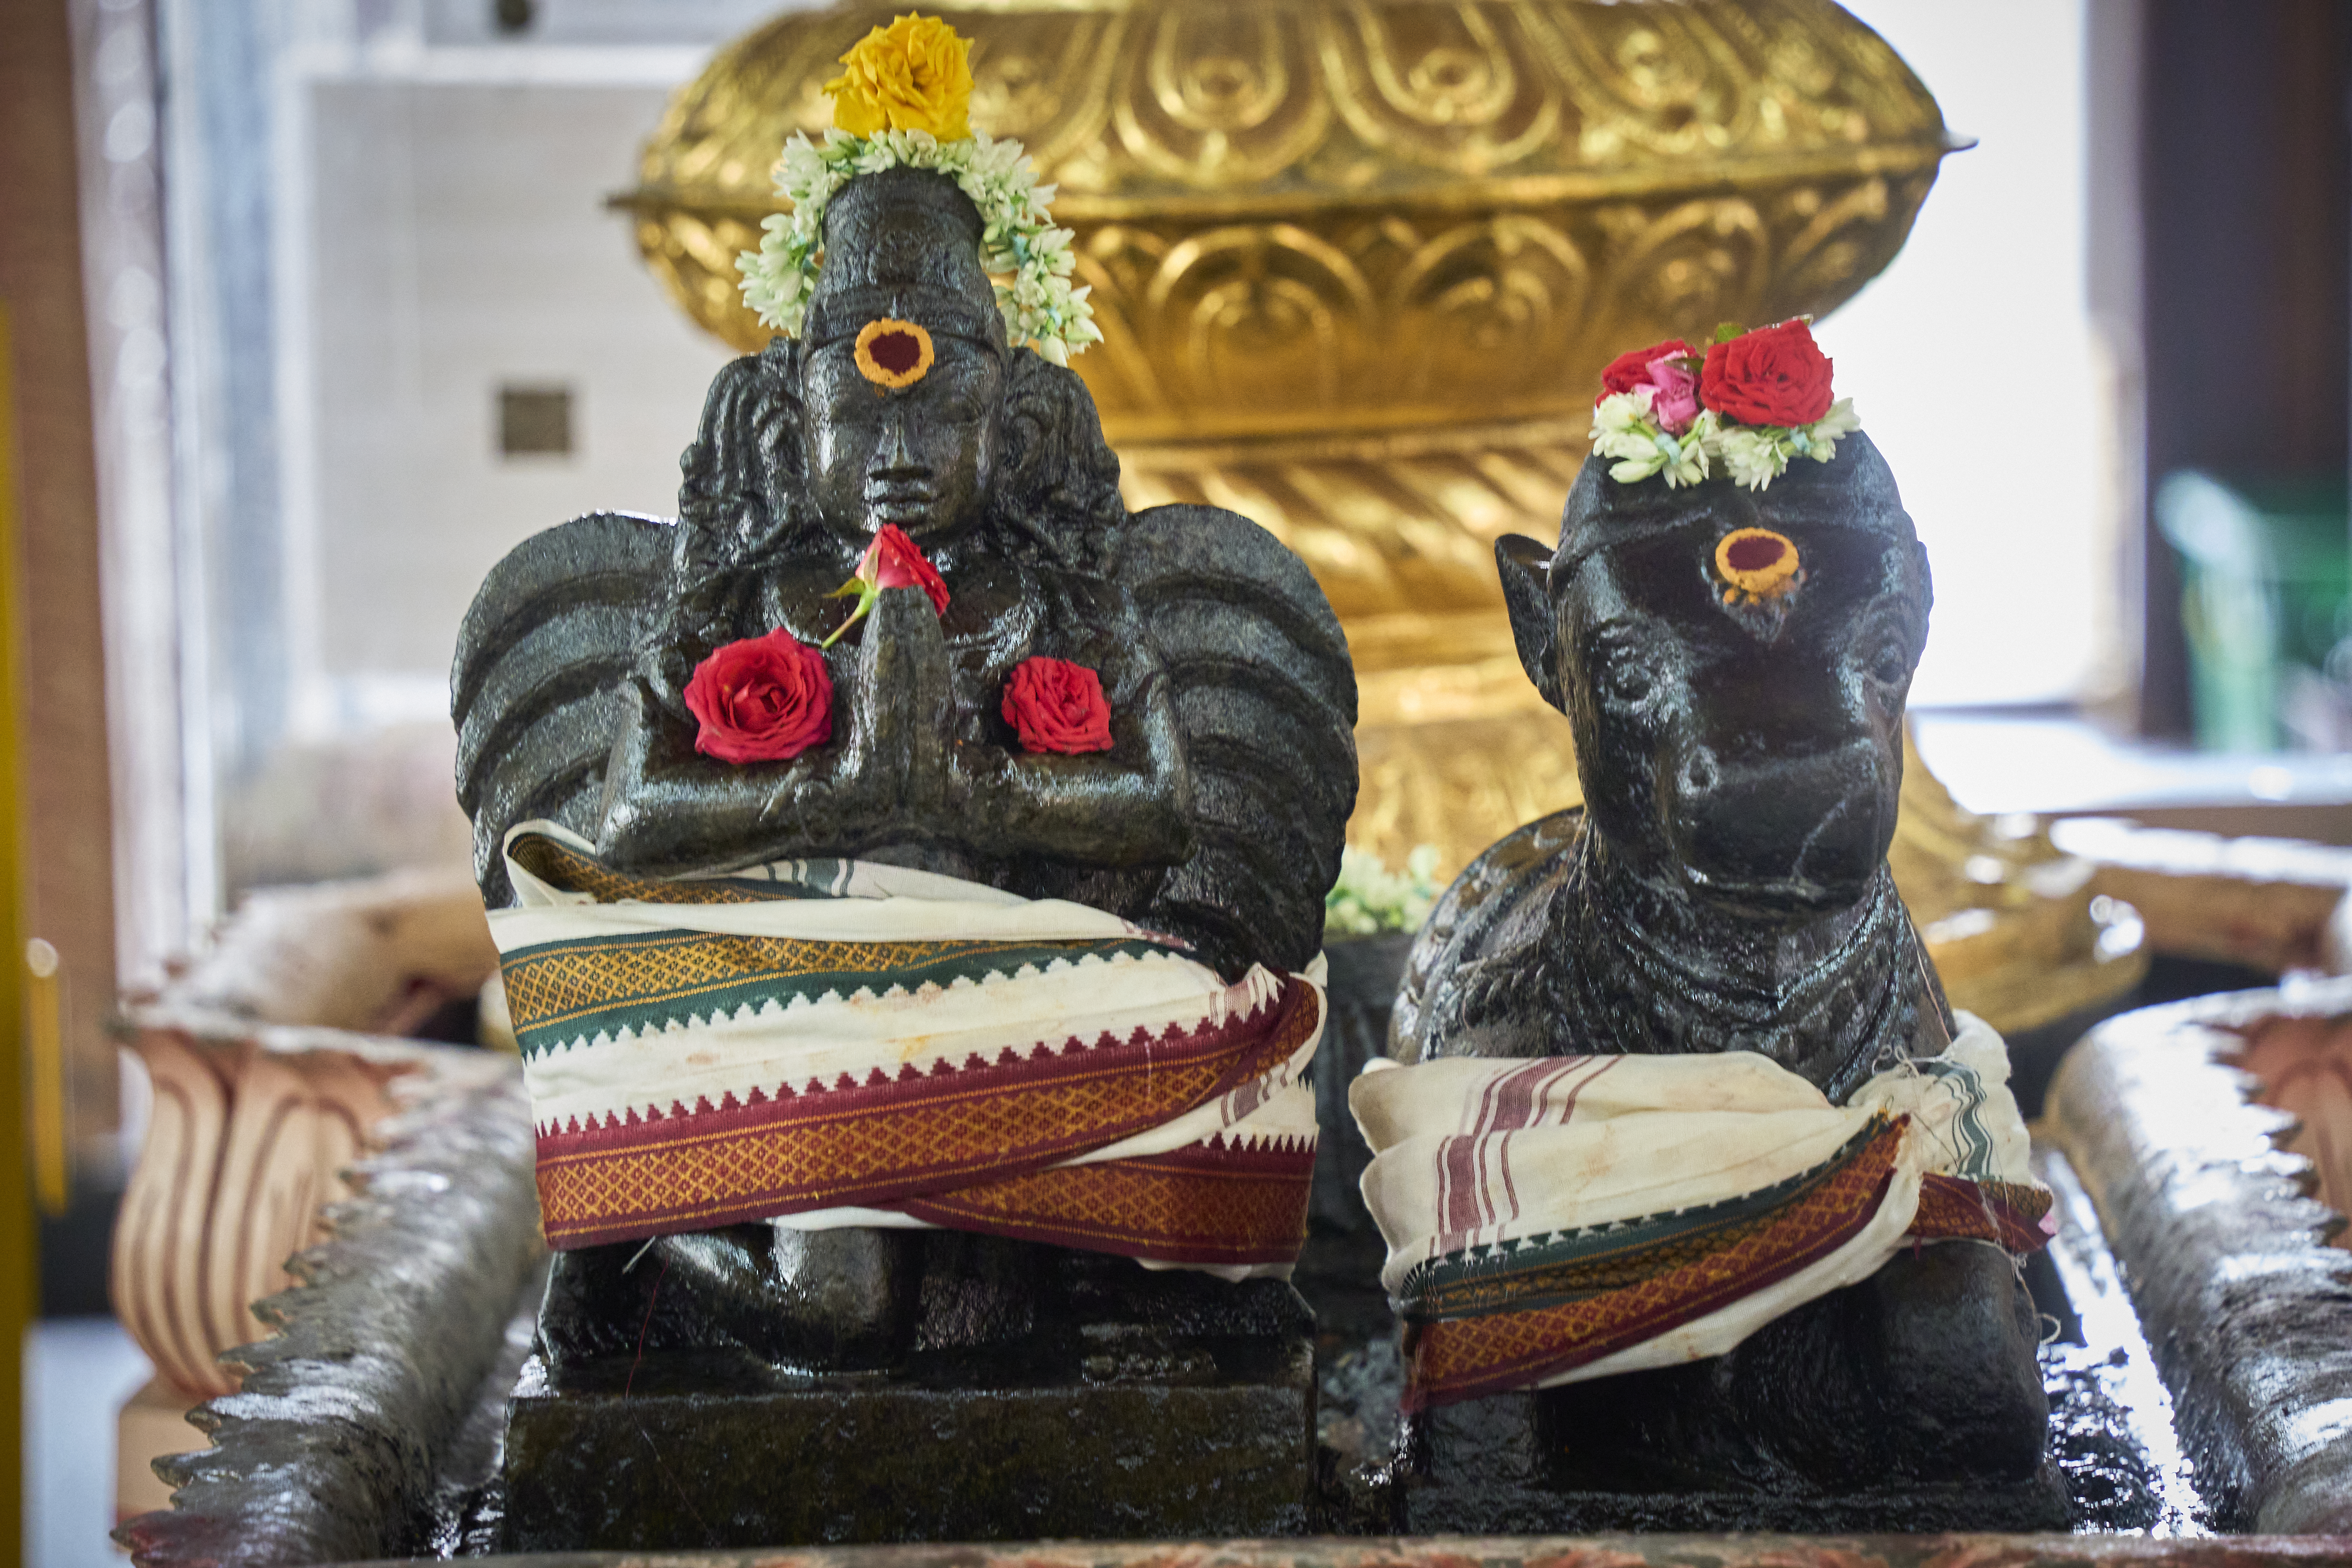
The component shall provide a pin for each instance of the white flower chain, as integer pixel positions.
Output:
(1753, 456)
(1039, 305)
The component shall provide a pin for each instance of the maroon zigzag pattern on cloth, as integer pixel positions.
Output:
(1465, 1358)
(1213, 1202)
(891, 1138)
(1957, 1208)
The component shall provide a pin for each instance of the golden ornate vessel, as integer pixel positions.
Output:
(1358, 265)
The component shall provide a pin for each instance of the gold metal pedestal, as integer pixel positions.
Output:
(1358, 265)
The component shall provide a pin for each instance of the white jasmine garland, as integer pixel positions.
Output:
(1752, 455)
(1368, 897)
(1018, 236)
(1624, 429)
(1756, 454)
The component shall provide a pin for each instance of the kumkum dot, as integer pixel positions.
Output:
(892, 353)
(897, 353)
(1758, 563)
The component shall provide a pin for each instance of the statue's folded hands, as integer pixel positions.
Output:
(920, 757)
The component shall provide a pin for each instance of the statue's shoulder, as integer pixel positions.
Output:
(1473, 983)
(1264, 696)
(541, 656)
(1217, 593)
(1185, 553)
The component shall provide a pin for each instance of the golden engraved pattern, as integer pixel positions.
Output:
(1357, 264)
(1381, 319)
(1321, 213)
(1138, 102)
(1400, 530)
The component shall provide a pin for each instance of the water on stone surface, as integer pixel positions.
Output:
(2111, 1417)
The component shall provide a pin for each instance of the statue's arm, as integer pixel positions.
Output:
(1127, 807)
(668, 808)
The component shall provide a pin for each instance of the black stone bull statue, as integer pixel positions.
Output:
(1735, 666)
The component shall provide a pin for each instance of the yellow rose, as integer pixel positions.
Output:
(909, 75)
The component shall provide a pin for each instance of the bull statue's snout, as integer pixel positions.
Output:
(1782, 829)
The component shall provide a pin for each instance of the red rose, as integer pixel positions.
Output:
(1627, 371)
(1058, 706)
(895, 560)
(761, 699)
(1773, 375)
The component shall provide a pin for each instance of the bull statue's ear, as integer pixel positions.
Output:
(1526, 567)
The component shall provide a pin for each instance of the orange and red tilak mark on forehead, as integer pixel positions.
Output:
(893, 354)
(1757, 565)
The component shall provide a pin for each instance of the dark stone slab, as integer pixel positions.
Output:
(1492, 1467)
(1123, 1434)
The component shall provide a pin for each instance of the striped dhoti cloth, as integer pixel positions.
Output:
(1572, 1217)
(825, 1043)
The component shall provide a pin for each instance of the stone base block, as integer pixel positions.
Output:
(2037, 1505)
(1195, 1438)
(1499, 1466)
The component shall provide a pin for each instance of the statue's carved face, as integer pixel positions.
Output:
(922, 455)
(1740, 729)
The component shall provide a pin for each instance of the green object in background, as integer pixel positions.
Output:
(1369, 898)
(2266, 569)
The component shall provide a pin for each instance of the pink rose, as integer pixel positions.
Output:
(1632, 369)
(892, 560)
(1675, 400)
(895, 560)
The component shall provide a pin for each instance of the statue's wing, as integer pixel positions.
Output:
(537, 686)
(1266, 699)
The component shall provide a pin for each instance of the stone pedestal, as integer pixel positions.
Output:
(1114, 1432)
(1486, 1468)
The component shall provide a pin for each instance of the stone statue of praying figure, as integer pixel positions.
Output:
(1026, 694)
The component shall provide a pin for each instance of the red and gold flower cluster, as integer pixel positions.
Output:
(1749, 403)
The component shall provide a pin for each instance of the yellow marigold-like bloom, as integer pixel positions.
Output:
(912, 75)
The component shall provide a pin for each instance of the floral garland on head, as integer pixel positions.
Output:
(1752, 402)
(904, 102)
